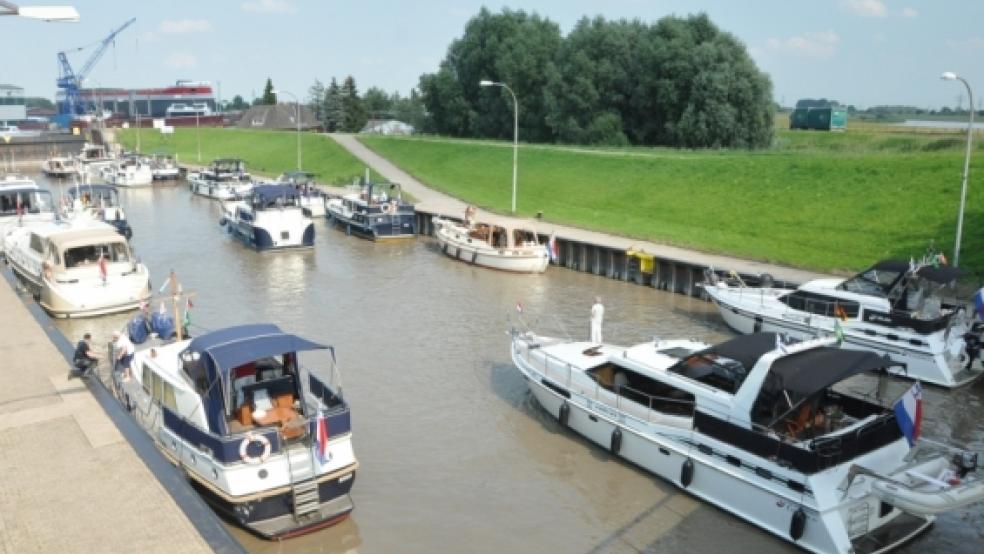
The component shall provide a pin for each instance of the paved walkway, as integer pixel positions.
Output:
(69, 482)
(432, 201)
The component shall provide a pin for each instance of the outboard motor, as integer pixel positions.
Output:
(966, 462)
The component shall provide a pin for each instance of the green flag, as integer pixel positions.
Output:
(838, 332)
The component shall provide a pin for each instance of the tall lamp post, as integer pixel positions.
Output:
(487, 83)
(951, 76)
(297, 119)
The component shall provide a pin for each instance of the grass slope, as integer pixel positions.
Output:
(266, 152)
(824, 201)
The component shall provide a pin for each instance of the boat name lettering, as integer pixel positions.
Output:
(606, 410)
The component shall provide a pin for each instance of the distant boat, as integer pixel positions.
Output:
(311, 197)
(23, 204)
(132, 171)
(60, 166)
(164, 167)
(77, 268)
(265, 441)
(374, 211)
(497, 245)
(224, 179)
(270, 218)
(188, 110)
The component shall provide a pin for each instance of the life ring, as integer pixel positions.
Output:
(244, 446)
(387, 209)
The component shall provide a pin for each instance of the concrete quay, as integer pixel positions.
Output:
(675, 269)
(74, 476)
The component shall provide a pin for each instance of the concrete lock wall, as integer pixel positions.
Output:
(23, 152)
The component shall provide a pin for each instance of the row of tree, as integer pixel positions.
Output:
(342, 108)
(678, 82)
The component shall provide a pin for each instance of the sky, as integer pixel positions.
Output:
(859, 52)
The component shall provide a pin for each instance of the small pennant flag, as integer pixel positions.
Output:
(519, 307)
(838, 333)
(103, 268)
(908, 413)
(187, 316)
(164, 286)
(979, 303)
(840, 312)
(552, 249)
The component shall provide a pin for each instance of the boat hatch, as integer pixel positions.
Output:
(725, 366)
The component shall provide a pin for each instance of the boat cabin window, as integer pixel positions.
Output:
(522, 237)
(36, 243)
(90, 253)
(819, 304)
(500, 237)
(30, 203)
(159, 389)
(643, 390)
(874, 281)
(712, 369)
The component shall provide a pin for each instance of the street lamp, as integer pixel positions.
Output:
(45, 13)
(951, 76)
(297, 118)
(487, 83)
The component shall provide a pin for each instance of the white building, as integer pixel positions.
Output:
(387, 127)
(12, 103)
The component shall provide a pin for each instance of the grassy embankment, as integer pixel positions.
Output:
(824, 201)
(267, 153)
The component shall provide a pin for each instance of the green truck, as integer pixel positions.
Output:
(822, 119)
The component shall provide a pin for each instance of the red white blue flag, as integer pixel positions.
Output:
(321, 438)
(908, 413)
(552, 249)
(103, 269)
(979, 303)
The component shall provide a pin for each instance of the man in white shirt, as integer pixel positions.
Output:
(124, 350)
(597, 314)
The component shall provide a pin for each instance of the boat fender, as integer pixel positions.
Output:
(563, 414)
(474, 256)
(758, 324)
(444, 248)
(244, 448)
(616, 443)
(797, 524)
(687, 473)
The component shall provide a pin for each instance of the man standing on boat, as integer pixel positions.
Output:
(123, 349)
(85, 359)
(597, 314)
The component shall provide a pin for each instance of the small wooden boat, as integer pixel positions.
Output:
(492, 244)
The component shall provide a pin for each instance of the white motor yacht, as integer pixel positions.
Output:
(22, 204)
(907, 310)
(164, 167)
(224, 179)
(97, 203)
(756, 427)
(94, 158)
(131, 171)
(264, 440)
(311, 197)
(498, 245)
(270, 218)
(59, 166)
(77, 268)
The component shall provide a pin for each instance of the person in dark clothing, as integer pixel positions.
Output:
(85, 359)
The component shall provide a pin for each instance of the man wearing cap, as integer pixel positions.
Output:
(85, 359)
(123, 349)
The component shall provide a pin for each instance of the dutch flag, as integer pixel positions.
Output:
(908, 413)
(552, 249)
(321, 438)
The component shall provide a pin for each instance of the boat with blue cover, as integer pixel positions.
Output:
(266, 441)
(270, 218)
(374, 211)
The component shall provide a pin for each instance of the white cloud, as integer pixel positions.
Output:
(820, 45)
(865, 8)
(909, 12)
(180, 60)
(180, 26)
(269, 6)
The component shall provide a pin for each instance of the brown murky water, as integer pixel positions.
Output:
(456, 455)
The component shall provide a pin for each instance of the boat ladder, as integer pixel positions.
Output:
(304, 487)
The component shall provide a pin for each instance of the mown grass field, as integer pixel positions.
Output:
(825, 201)
(266, 153)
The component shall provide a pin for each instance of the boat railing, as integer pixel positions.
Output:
(637, 404)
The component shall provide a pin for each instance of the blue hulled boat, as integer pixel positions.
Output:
(375, 211)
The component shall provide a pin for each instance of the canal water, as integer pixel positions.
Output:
(456, 455)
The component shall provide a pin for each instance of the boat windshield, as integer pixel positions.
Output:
(713, 369)
(82, 256)
(97, 197)
(875, 281)
(29, 201)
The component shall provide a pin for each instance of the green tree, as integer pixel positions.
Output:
(355, 116)
(511, 47)
(237, 103)
(378, 104)
(316, 100)
(268, 98)
(411, 110)
(334, 108)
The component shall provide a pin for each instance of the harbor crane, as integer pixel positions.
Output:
(71, 82)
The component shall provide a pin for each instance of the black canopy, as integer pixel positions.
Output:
(943, 274)
(811, 371)
(745, 350)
